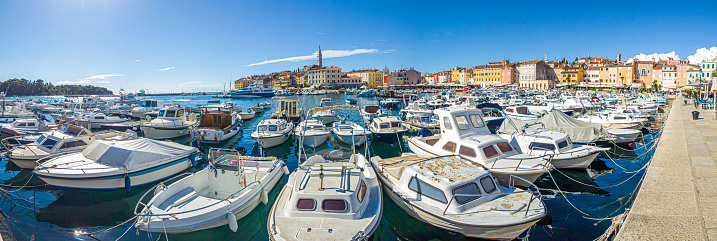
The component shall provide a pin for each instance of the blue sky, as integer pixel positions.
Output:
(191, 45)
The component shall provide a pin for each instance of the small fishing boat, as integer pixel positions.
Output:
(370, 111)
(108, 165)
(96, 120)
(326, 102)
(388, 129)
(454, 194)
(145, 106)
(554, 145)
(390, 103)
(350, 101)
(213, 101)
(265, 105)
(23, 127)
(272, 132)
(172, 121)
(246, 115)
(227, 190)
(349, 132)
(217, 123)
(334, 199)
(66, 139)
(289, 109)
(312, 133)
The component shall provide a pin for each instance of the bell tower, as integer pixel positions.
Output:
(318, 58)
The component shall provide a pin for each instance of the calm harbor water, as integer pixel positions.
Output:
(40, 212)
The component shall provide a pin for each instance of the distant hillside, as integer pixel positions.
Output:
(23, 87)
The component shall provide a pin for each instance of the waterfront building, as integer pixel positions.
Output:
(458, 76)
(643, 72)
(508, 73)
(687, 73)
(243, 82)
(669, 77)
(592, 74)
(707, 68)
(486, 75)
(534, 75)
(625, 74)
(371, 78)
(572, 75)
(324, 76)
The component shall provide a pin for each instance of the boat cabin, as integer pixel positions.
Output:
(543, 142)
(289, 108)
(330, 188)
(66, 138)
(388, 123)
(215, 117)
(272, 125)
(448, 183)
(148, 103)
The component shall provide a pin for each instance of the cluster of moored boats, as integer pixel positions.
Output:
(471, 168)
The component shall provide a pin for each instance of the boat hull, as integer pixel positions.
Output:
(164, 133)
(190, 223)
(389, 138)
(357, 140)
(266, 142)
(213, 135)
(474, 231)
(113, 182)
(314, 140)
(325, 119)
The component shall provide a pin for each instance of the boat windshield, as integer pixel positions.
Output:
(262, 128)
(167, 113)
(49, 143)
(146, 103)
(39, 140)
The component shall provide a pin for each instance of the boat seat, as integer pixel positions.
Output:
(179, 198)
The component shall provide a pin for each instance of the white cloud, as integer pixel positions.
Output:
(656, 56)
(320, 33)
(103, 82)
(88, 79)
(326, 54)
(185, 84)
(703, 54)
(165, 69)
(136, 60)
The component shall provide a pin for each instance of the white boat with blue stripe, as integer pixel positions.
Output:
(107, 165)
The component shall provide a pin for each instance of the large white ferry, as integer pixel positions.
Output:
(253, 91)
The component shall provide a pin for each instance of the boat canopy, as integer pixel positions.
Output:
(579, 131)
(133, 154)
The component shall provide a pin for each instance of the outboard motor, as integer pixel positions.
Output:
(242, 150)
(424, 132)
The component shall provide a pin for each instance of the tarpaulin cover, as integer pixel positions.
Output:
(134, 154)
(579, 131)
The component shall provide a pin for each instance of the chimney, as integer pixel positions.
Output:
(619, 57)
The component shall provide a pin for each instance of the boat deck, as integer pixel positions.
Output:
(678, 196)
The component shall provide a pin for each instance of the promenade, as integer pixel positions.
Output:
(678, 198)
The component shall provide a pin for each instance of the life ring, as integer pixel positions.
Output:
(595, 98)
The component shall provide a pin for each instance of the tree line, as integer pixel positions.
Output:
(24, 87)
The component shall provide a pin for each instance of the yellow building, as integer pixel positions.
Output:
(486, 75)
(572, 75)
(369, 77)
(625, 74)
(243, 82)
(458, 75)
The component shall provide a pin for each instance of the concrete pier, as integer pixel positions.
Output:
(678, 198)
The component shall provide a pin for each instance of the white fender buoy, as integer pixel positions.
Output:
(286, 170)
(264, 197)
(232, 220)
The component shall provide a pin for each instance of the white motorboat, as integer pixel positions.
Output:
(96, 120)
(217, 124)
(615, 120)
(464, 133)
(326, 102)
(22, 127)
(328, 200)
(107, 165)
(553, 145)
(520, 113)
(253, 91)
(246, 115)
(272, 132)
(390, 103)
(326, 116)
(145, 106)
(624, 136)
(66, 139)
(370, 111)
(172, 121)
(265, 105)
(388, 129)
(453, 194)
(289, 109)
(215, 196)
(349, 132)
(312, 133)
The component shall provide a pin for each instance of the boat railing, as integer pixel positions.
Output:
(531, 188)
(147, 212)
